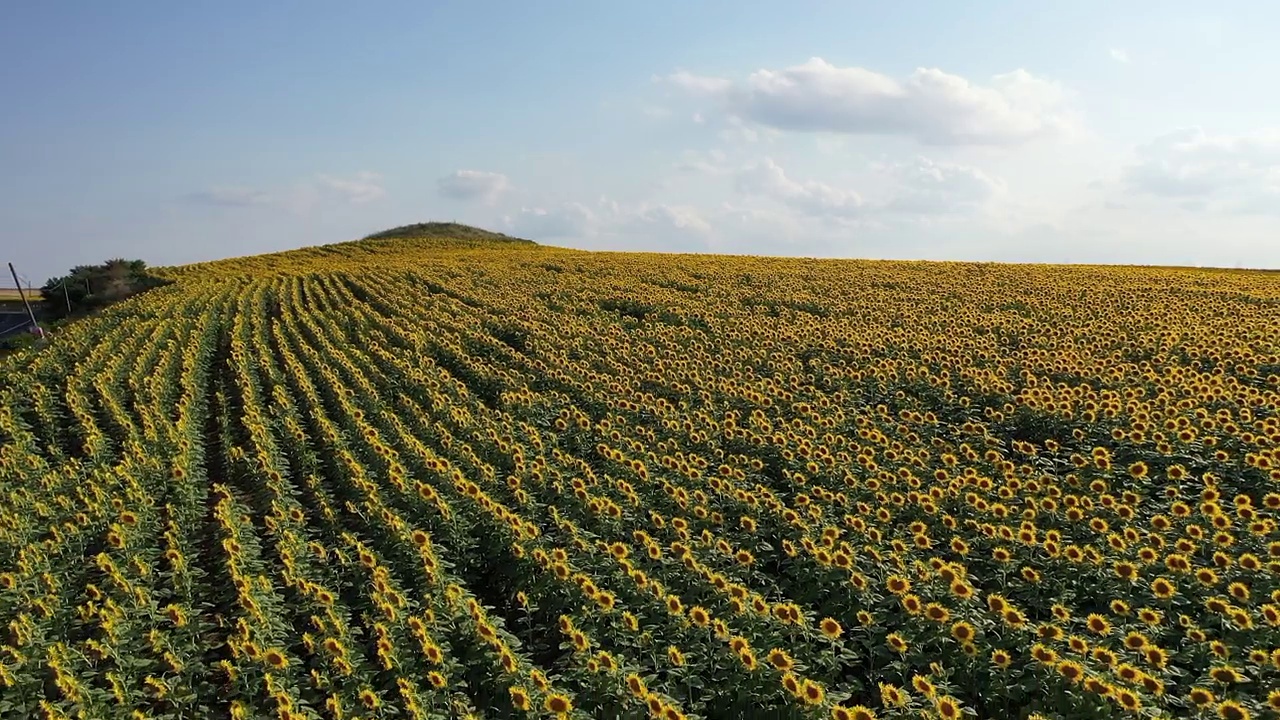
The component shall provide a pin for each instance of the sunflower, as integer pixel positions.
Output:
(962, 631)
(1239, 591)
(813, 693)
(1097, 686)
(1049, 631)
(948, 707)
(898, 585)
(892, 696)
(699, 616)
(923, 686)
(831, 628)
(539, 680)
(937, 612)
(1044, 654)
(791, 684)
(275, 659)
(1128, 699)
(675, 656)
(558, 704)
(1098, 625)
(780, 659)
(1163, 588)
(1014, 618)
(1225, 674)
(896, 643)
(519, 698)
(1200, 697)
(1001, 659)
(1232, 710)
(1152, 685)
(1135, 640)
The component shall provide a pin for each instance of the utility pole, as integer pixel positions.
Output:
(30, 313)
(66, 295)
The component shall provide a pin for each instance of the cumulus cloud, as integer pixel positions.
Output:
(767, 179)
(921, 188)
(608, 224)
(567, 220)
(1200, 171)
(926, 187)
(931, 106)
(472, 185)
(681, 220)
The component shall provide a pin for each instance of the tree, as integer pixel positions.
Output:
(90, 287)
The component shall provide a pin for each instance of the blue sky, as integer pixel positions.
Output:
(1137, 132)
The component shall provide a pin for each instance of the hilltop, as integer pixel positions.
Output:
(441, 230)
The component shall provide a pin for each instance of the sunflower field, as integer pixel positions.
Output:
(434, 478)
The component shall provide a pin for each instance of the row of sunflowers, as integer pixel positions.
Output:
(436, 480)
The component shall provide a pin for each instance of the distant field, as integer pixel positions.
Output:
(475, 478)
(12, 294)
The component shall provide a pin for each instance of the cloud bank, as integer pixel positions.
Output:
(931, 106)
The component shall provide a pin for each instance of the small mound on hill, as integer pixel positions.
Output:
(444, 230)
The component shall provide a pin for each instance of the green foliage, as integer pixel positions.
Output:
(444, 230)
(92, 287)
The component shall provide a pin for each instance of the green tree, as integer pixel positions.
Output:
(90, 287)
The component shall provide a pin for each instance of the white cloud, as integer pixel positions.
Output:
(931, 106)
(609, 224)
(364, 187)
(1233, 173)
(921, 189)
(926, 187)
(473, 185)
(567, 220)
(682, 220)
(697, 83)
(767, 179)
(302, 197)
(1119, 55)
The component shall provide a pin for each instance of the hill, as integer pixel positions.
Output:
(454, 231)
(439, 474)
